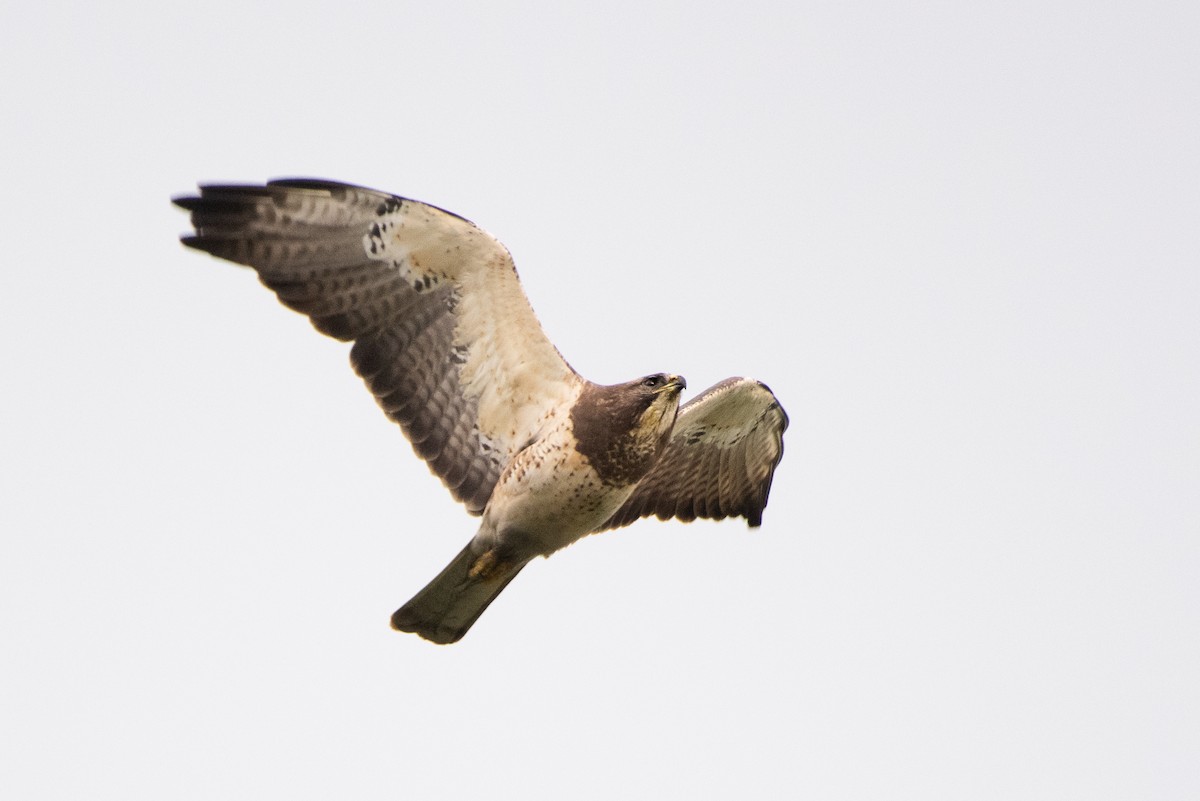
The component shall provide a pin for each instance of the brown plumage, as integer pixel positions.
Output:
(445, 339)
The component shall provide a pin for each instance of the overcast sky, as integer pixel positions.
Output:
(959, 240)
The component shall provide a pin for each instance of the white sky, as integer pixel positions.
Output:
(959, 240)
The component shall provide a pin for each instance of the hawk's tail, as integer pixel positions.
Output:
(452, 602)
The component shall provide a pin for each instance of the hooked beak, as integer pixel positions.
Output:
(675, 382)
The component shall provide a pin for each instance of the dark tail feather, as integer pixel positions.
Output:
(452, 602)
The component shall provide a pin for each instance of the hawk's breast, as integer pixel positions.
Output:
(550, 495)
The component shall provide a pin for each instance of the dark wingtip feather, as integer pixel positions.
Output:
(311, 183)
(209, 205)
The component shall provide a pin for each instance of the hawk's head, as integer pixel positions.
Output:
(658, 395)
(622, 428)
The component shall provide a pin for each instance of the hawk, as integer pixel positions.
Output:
(447, 342)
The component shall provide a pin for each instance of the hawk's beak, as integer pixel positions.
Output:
(676, 382)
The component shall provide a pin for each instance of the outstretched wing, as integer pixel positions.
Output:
(443, 333)
(719, 461)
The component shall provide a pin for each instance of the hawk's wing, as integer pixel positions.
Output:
(443, 334)
(719, 461)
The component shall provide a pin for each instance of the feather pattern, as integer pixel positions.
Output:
(719, 461)
(443, 334)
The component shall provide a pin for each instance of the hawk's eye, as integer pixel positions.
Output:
(653, 382)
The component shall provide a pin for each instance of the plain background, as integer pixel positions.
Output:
(959, 240)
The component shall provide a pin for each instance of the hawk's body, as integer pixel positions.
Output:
(447, 342)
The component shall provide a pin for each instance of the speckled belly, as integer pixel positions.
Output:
(548, 498)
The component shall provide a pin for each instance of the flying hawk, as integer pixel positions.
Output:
(445, 339)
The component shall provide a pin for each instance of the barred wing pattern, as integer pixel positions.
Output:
(720, 460)
(443, 334)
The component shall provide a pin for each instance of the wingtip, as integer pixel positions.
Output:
(314, 184)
